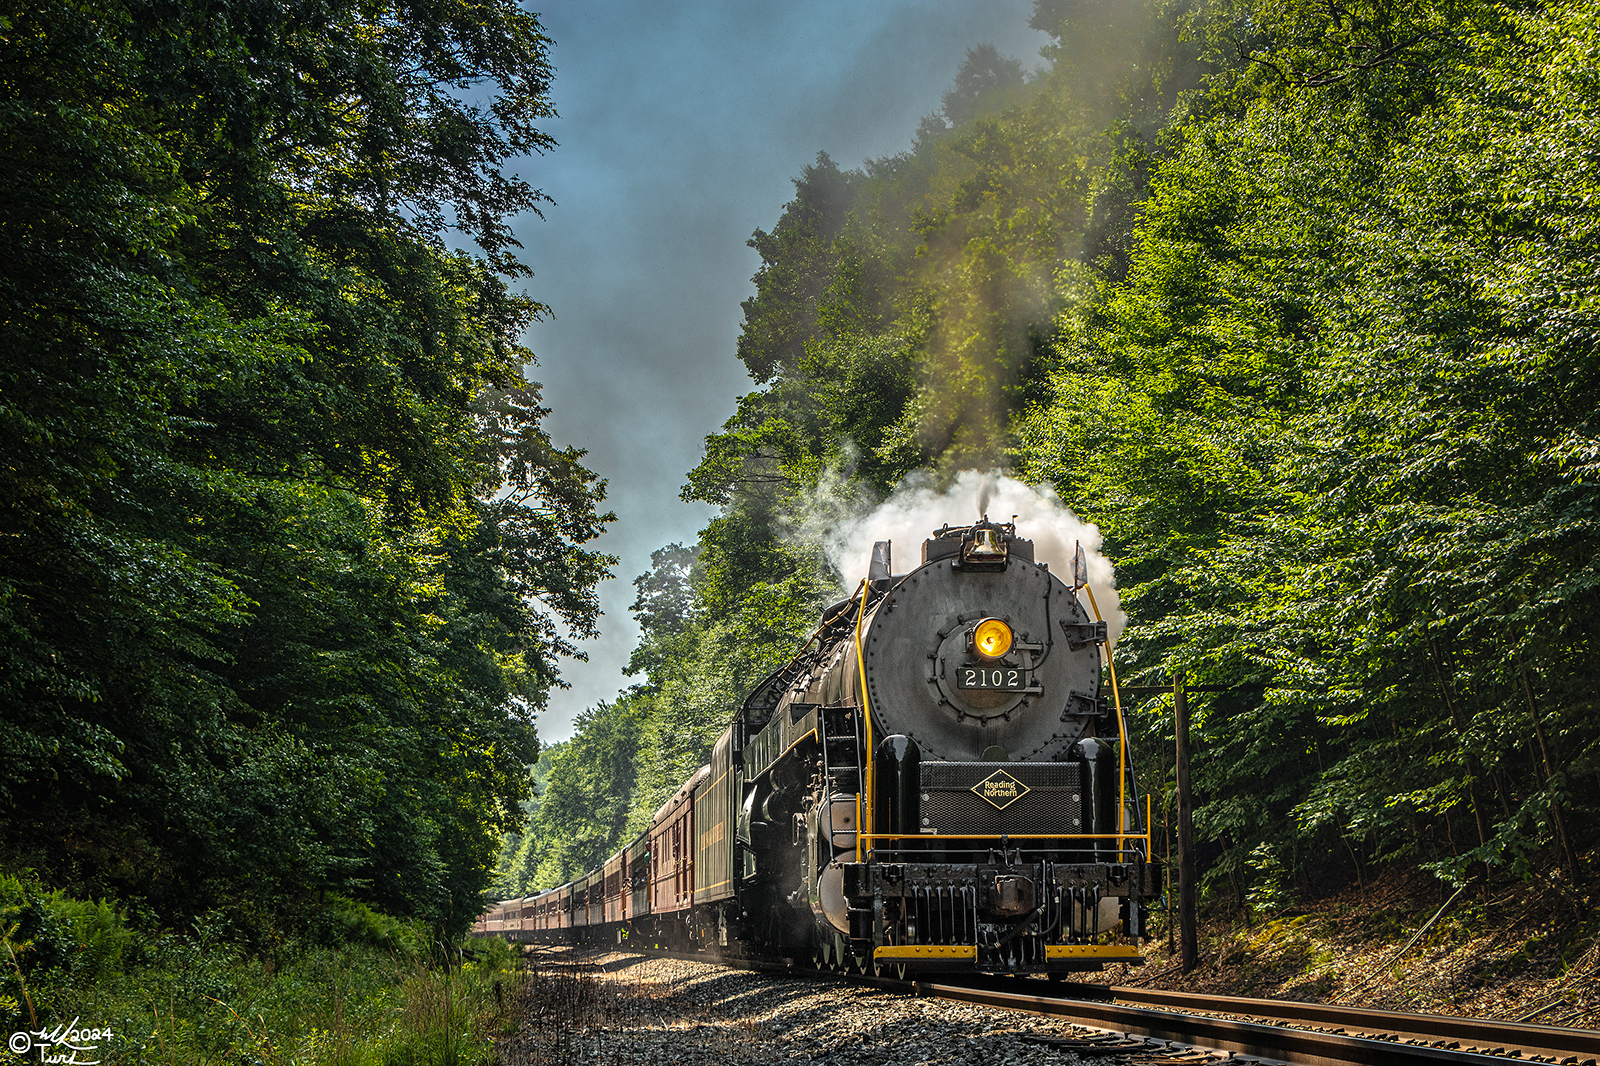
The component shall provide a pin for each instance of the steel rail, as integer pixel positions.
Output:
(1526, 1037)
(1375, 1045)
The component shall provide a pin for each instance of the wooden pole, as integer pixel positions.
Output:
(1187, 932)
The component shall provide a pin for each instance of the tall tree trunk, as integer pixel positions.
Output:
(1166, 839)
(1467, 761)
(1500, 792)
(1361, 880)
(1549, 777)
(1188, 927)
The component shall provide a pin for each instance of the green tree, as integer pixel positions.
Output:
(1317, 421)
(288, 560)
(584, 805)
(664, 608)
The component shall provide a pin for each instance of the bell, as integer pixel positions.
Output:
(985, 542)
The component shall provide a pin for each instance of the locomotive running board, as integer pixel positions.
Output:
(1107, 952)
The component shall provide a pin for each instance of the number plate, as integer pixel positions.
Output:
(1003, 678)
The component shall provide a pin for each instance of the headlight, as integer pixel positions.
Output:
(992, 638)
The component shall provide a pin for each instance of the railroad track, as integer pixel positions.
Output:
(1307, 1034)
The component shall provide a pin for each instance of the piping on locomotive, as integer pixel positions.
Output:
(937, 781)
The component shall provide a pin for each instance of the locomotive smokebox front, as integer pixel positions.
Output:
(980, 654)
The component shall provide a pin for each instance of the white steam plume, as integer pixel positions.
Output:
(915, 510)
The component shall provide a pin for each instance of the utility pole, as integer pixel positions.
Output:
(1187, 933)
(1188, 927)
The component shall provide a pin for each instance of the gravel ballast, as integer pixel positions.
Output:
(631, 1009)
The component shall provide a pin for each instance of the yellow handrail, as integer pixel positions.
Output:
(1122, 732)
(864, 779)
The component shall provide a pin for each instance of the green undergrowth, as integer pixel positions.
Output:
(351, 987)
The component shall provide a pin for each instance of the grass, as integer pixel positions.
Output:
(359, 989)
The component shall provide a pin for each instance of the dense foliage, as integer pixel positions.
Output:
(1341, 429)
(288, 560)
(1298, 303)
(355, 989)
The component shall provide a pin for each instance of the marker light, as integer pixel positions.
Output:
(992, 638)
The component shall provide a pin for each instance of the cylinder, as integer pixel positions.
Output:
(1099, 768)
(898, 799)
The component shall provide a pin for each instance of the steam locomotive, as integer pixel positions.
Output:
(936, 782)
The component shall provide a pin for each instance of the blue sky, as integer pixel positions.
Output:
(681, 126)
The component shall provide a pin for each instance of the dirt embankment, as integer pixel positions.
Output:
(1522, 950)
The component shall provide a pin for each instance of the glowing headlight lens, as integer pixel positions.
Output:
(992, 638)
